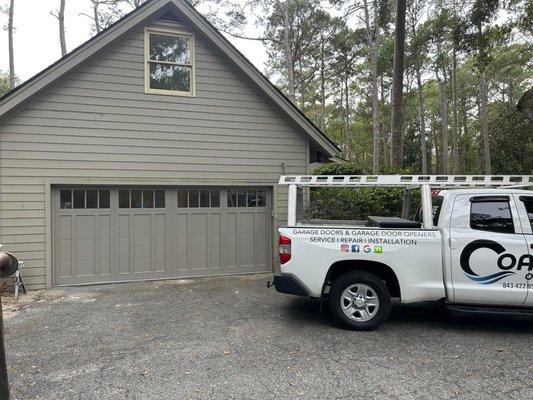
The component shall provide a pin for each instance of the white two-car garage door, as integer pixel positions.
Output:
(122, 234)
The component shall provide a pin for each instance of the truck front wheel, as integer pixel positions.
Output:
(359, 300)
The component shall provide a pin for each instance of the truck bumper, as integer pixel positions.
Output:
(289, 285)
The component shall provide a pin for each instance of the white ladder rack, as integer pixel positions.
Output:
(437, 181)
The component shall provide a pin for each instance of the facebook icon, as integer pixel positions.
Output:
(355, 248)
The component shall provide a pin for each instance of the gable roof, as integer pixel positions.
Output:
(153, 8)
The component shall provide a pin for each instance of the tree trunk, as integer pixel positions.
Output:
(455, 120)
(484, 122)
(373, 43)
(422, 117)
(288, 54)
(443, 103)
(384, 142)
(10, 31)
(438, 155)
(467, 142)
(61, 19)
(397, 88)
(96, 15)
(347, 118)
(322, 86)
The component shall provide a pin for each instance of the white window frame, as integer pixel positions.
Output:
(168, 32)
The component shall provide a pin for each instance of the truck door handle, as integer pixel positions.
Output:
(531, 245)
(453, 243)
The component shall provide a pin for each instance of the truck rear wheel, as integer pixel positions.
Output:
(359, 300)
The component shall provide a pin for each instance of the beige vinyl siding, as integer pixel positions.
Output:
(96, 125)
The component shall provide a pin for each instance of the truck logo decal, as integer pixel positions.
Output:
(506, 261)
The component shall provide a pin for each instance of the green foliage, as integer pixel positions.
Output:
(353, 203)
(512, 141)
(4, 83)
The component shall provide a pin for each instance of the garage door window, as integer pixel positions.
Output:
(83, 199)
(194, 198)
(246, 198)
(141, 198)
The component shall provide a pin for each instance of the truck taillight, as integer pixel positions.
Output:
(284, 249)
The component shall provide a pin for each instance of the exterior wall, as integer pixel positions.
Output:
(97, 126)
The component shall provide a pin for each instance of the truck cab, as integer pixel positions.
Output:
(487, 246)
(471, 249)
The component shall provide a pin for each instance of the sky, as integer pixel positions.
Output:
(37, 35)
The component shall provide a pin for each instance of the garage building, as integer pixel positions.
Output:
(151, 151)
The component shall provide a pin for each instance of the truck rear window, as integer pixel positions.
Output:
(437, 205)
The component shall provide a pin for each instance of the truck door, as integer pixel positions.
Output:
(525, 210)
(486, 243)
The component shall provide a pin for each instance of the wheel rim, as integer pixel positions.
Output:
(359, 302)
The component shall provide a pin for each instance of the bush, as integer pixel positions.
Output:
(354, 203)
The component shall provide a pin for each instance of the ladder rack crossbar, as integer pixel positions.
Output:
(437, 181)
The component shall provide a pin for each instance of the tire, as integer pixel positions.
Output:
(364, 296)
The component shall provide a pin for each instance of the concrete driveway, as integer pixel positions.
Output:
(231, 338)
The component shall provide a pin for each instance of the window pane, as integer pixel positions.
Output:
(160, 199)
(79, 198)
(193, 198)
(170, 48)
(215, 198)
(528, 203)
(170, 77)
(65, 198)
(232, 198)
(261, 198)
(104, 199)
(252, 198)
(124, 198)
(148, 199)
(136, 198)
(241, 199)
(204, 198)
(493, 216)
(182, 198)
(92, 198)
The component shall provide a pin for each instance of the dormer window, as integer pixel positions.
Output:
(169, 67)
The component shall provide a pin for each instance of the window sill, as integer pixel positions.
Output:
(170, 93)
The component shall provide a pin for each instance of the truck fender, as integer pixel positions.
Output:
(381, 270)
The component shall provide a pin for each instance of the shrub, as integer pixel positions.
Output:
(354, 203)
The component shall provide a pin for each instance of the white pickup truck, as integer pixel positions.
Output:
(472, 249)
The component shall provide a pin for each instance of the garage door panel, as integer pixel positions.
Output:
(104, 245)
(198, 241)
(65, 232)
(124, 244)
(232, 241)
(214, 238)
(135, 239)
(141, 243)
(183, 241)
(160, 242)
(261, 240)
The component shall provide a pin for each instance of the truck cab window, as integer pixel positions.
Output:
(528, 204)
(493, 215)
